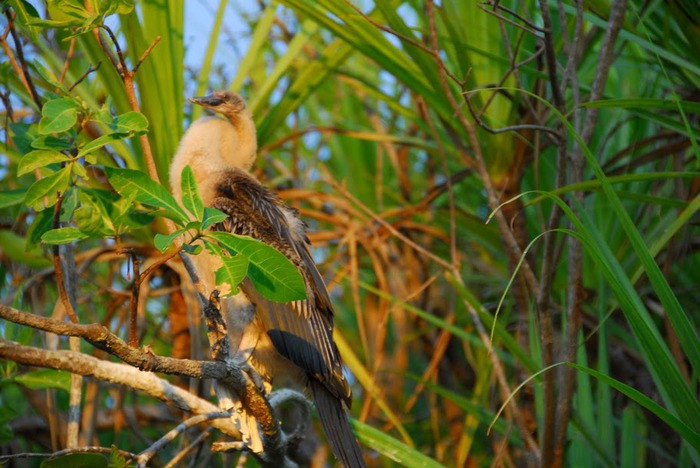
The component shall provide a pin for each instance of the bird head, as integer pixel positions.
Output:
(223, 102)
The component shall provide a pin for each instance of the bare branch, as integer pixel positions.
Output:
(122, 374)
(146, 53)
(129, 86)
(100, 337)
(90, 69)
(144, 457)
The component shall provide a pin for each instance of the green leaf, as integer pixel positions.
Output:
(88, 220)
(116, 459)
(273, 274)
(15, 247)
(190, 194)
(47, 74)
(93, 218)
(685, 431)
(45, 378)
(77, 460)
(644, 103)
(50, 142)
(39, 158)
(138, 186)
(211, 217)
(68, 10)
(23, 136)
(130, 122)
(58, 116)
(11, 197)
(192, 249)
(64, 235)
(69, 204)
(79, 170)
(48, 188)
(390, 447)
(163, 242)
(43, 221)
(99, 142)
(233, 270)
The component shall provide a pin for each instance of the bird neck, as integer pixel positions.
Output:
(247, 140)
(212, 146)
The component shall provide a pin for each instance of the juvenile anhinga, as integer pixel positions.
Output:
(281, 341)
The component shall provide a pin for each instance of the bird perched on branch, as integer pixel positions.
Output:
(290, 341)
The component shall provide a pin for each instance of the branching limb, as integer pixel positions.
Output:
(100, 337)
(117, 373)
(129, 86)
(90, 69)
(575, 291)
(252, 399)
(183, 453)
(144, 457)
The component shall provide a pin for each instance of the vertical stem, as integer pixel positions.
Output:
(548, 432)
(575, 292)
(133, 310)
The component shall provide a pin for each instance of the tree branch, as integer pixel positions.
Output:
(122, 374)
(100, 337)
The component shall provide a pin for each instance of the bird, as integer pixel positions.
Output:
(282, 342)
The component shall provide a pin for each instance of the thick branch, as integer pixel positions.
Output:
(100, 337)
(117, 373)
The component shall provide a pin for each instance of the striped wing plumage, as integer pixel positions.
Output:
(301, 331)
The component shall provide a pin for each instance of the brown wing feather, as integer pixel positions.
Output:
(301, 331)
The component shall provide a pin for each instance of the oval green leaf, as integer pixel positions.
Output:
(130, 122)
(45, 378)
(136, 185)
(190, 194)
(62, 236)
(273, 274)
(58, 116)
(39, 158)
(49, 188)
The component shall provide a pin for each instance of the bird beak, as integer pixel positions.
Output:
(207, 101)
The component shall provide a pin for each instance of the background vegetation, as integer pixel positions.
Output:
(503, 197)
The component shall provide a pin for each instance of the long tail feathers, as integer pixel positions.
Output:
(335, 424)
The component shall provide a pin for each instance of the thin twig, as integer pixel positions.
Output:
(85, 75)
(144, 457)
(133, 309)
(343, 191)
(58, 268)
(532, 29)
(509, 128)
(129, 86)
(145, 54)
(26, 77)
(66, 62)
(498, 5)
(503, 224)
(183, 453)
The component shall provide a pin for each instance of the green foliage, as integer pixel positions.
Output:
(77, 460)
(45, 378)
